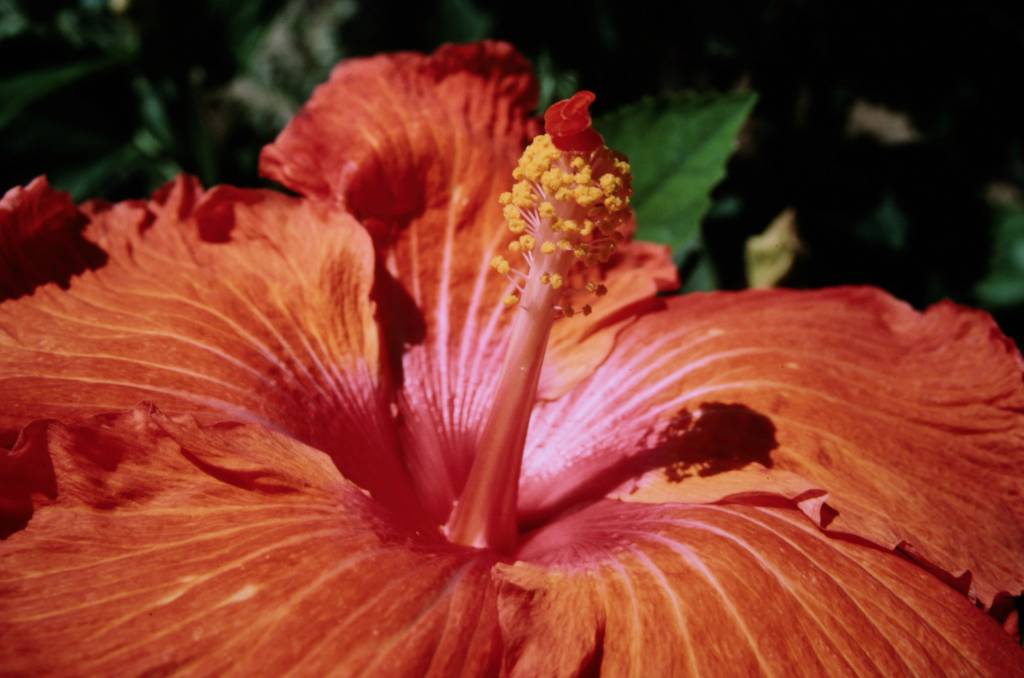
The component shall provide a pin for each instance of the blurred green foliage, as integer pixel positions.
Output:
(892, 130)
(678, 147)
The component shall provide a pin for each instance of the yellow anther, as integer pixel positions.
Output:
(585, 196)
(500, 264)
(551, 180)
(537, 158)
(591, 191)
(610, 182)
(614, 203)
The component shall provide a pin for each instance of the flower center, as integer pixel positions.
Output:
(568, 210)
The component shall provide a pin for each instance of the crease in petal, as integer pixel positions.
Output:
(674, 589)
(907, 426)
(178, 531)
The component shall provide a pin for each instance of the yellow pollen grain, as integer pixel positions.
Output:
(614, 203)
(500, 264)
(556, 281)
(514, 246)
(565, 245)
(610, 182)
(527, 242)
(545, 278)
(546, 210)
(585, 196)
(588, 227)
(510, 300)
(580, 253)
(583, 176)
(548, 247)
(622, 167)
(516, 225)
(551, 180)
(505, 198)
(568, 225)
(510, 212)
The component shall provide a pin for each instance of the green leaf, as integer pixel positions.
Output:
(678, 147)
(1004, 285)
(17, 93)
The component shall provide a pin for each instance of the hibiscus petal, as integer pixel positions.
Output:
(274, 327)
(658, 590)
(164, 546)
(419, 147)
(912, 423)
(633, 278)
(41, 239)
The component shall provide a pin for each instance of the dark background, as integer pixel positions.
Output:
(893, 129)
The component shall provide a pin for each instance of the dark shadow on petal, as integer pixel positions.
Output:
(715, 438)
(25, 470)
(722, 437)
(53, 252)
(401, 320)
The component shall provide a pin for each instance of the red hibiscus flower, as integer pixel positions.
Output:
(353, 458)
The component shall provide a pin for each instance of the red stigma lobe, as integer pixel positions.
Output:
(568, 123)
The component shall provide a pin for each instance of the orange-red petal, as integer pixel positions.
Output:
(909, 425)
(419, 148)
(41, 239)
(163, 546)
(275, 326)
(659, 590)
